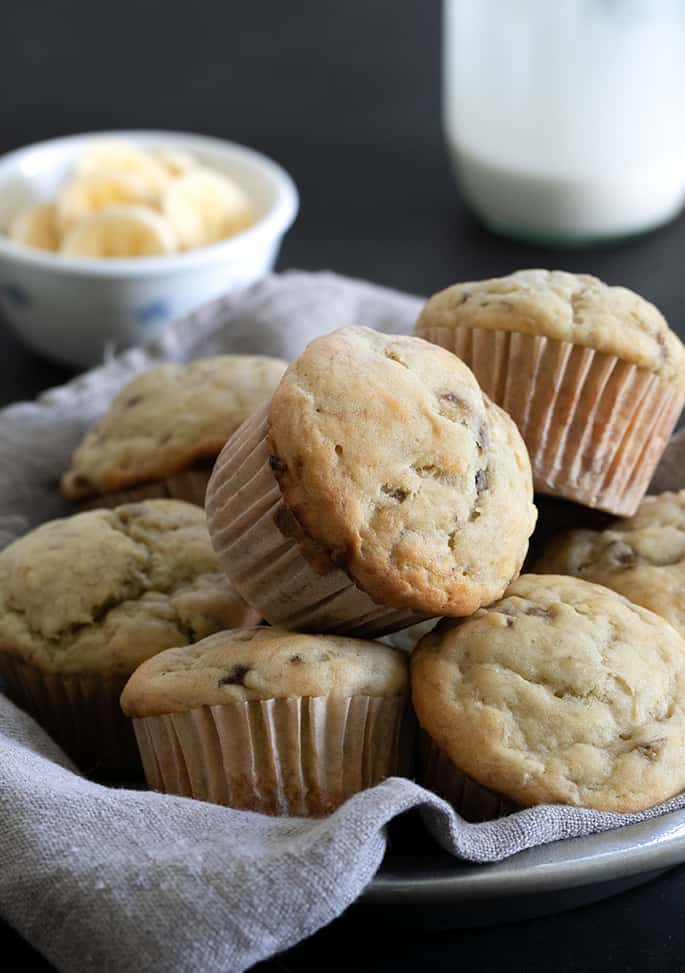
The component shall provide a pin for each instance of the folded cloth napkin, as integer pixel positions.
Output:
(98, 878)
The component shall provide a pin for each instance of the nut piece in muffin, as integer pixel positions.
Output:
(592, 375)
(269, 720)
(642, 558)
(86, 599)
(562, 692)
(163, 431)
(380, 486)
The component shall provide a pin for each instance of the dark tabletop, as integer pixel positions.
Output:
(346, 96)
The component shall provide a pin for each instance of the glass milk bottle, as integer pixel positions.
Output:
(565, 119)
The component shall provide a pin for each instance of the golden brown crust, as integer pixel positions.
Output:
(394, 463)
(104, 590)
(168, 419)
(576, 308)
(562, 692)
(262, 663)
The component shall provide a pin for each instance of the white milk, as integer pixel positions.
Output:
(565, 119)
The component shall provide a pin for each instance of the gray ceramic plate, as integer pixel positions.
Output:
(423, 885)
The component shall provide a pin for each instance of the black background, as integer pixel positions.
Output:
(347, 97)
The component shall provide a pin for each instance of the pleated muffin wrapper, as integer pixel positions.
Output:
(81, 712)
(297, 757)
(267, 557)
(189, 485)
(595, 425)
(471, 800)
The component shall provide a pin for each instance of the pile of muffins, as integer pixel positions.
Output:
(248, 531)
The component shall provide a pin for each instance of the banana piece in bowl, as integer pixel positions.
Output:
(120, 231)
(127, 160)
(36, 227)
(124, 201)
(96, 191)
(205, 207)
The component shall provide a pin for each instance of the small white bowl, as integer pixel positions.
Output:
(72, 309)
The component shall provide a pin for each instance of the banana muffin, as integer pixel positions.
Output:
(380, 486)
(163, 431)
(563, 692)
(642, 558)
(271, 721)
(591, 374)
(86, 599)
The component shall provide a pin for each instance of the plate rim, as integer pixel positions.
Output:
(647, 846)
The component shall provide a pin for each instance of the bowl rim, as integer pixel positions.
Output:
(273, 224)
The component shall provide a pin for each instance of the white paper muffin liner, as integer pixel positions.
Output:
(247, 519)
(81, 712)
(296, 757)
(190, 485)
(470, 799)
(595, 425)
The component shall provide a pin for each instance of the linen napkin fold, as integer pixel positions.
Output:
(99, 878)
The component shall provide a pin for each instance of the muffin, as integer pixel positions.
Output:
(272, 721)
(163, 431)
(379, 487)
(642, 558)
(556, 516)
(591, 374)
(563, 692)
(86, 599)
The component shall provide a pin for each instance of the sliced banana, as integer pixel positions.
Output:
(121, 157)
(125, 201)
(96, 190)
(204, 207)
(36, 227)
(120, 231)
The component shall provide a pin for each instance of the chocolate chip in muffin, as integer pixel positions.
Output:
(235, 676)
(451, 397)
(81, 482)
(500, 305)
(537, 611)
(277, 464)
(286, 522)
(651, 750)
(453, 407)
(621, 553)
(396, 493)
(392, 355)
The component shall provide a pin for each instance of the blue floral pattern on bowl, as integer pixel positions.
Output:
(153, 312)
